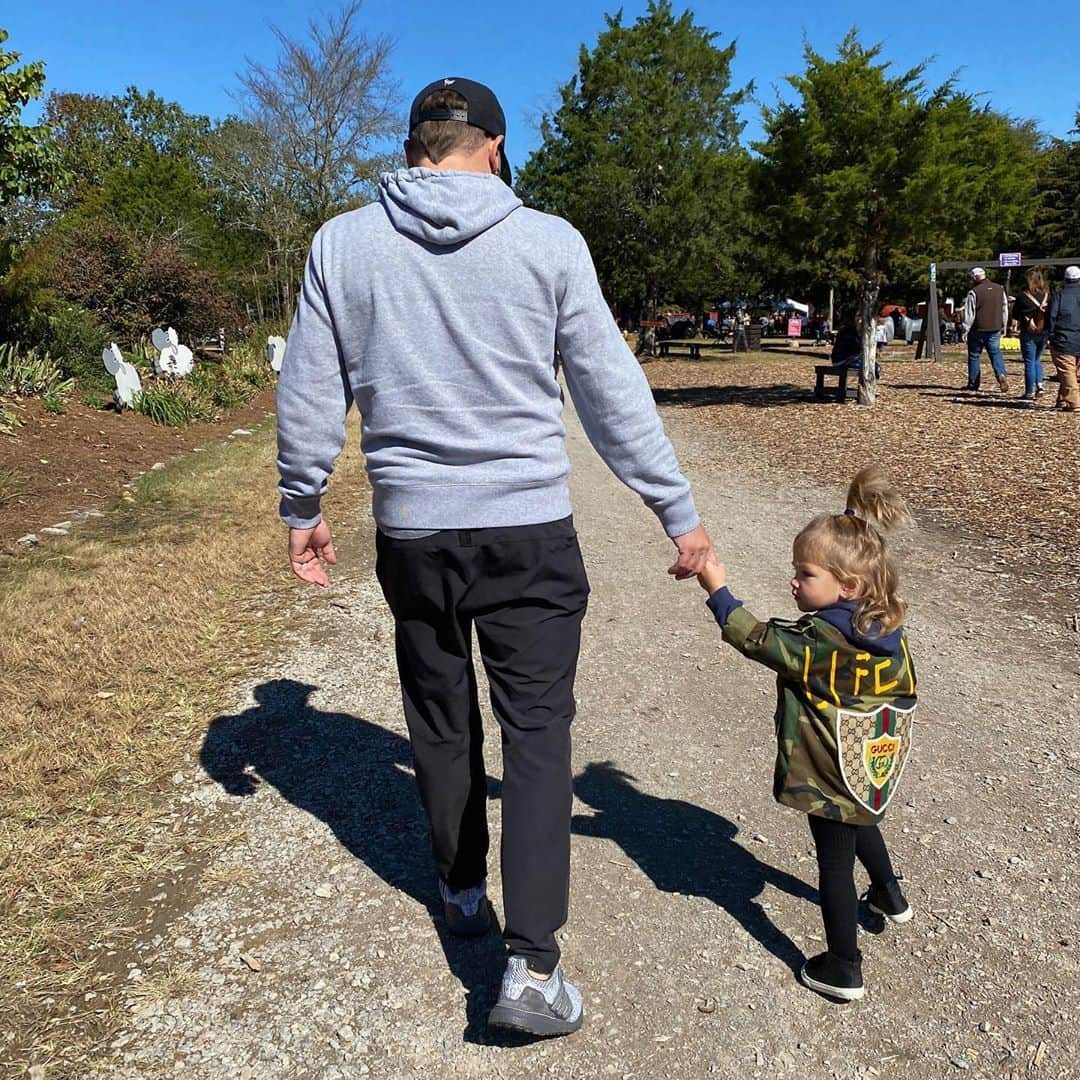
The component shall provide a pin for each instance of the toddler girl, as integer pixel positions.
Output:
(845, 700)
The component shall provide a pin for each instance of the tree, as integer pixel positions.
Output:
(1058, 226)
(255, 198)
(96, 136)
(868, 174)
(642, 156)
(28, 164)
(326, 107)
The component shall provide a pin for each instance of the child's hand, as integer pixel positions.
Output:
(713, 577)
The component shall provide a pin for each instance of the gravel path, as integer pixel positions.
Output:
(313, 947)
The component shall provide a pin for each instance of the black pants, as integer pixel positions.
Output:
(838, 844)
(524, 589)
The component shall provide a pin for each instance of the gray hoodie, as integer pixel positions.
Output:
(438, 310)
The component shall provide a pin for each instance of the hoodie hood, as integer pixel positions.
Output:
(444, 208)
(842, 616)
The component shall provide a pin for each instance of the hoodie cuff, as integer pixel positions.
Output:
(680, 517)
(722, 603)
(300, 512)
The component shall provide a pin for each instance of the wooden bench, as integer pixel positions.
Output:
(840, 374)
(693, 348)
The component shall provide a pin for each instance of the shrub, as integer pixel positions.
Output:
(54, 401)
(174, 403)
(77, 338)
(30, 372)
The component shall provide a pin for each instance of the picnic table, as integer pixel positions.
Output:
(692, 348)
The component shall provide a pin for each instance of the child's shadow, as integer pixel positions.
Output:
(685, 849)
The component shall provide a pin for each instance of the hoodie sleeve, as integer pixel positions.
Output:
(313, 396)
(614, 401)
(969, 311)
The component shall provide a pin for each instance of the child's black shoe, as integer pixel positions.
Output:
(836, 978)
(889, 901)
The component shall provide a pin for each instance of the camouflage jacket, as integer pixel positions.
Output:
(843, 712)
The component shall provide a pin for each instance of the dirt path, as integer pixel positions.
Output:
(310, 950)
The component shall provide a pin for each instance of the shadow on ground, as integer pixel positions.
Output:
(686, 849)
(754, 397)
(356, 777)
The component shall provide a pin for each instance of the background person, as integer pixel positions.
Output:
(1029, 314)
(986, 314)
(1063, 333)
(436, 310)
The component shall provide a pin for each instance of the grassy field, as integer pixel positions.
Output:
(117, 645)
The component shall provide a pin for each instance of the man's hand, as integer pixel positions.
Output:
(695, 549)
(713, 576)
(306, 546)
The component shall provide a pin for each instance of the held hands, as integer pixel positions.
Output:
(306, 546)
(713, 576)
(695, 549)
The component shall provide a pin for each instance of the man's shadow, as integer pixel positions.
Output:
(354, 776)
(686, 849)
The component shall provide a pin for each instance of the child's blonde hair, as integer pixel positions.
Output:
(851, 547)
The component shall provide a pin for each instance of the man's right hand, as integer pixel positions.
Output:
(695, 550)
(306, 546)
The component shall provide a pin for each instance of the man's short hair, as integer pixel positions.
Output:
(437, 139)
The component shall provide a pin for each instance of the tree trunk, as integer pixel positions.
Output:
(869, 288)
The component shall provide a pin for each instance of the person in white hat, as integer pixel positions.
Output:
(986, 314)
(1063, 333)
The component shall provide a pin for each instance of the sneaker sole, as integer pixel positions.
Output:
(902, 917)
(509, 1015)
(843, 993)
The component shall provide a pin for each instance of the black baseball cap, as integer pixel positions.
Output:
(482, 110)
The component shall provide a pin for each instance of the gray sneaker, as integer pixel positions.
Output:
(549, 1006)
(467, 913)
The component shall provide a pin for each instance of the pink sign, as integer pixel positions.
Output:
(794, 327)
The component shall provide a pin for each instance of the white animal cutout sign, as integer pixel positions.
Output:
(128, 385)
(275, 351)
(173, 358)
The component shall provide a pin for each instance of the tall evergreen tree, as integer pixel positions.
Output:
(1057, 231)
(642, 156)
(868, 174)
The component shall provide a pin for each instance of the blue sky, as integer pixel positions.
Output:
(190, 51)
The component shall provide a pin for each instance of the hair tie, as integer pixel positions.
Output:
(850, 513)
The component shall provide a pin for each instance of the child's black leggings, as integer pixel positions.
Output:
(837, 845)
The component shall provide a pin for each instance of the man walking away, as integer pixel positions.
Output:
(986, 314)
(1063, 333)
(438, 310)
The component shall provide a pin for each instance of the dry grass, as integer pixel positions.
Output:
(166, 985)
(117, 647)
(12, 486)
(229, 874)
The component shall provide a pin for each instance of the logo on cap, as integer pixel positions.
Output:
(449, 82)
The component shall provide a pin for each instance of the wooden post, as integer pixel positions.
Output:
(932, 332)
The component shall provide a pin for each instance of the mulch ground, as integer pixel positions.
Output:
(57, 465)
(984, 462)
